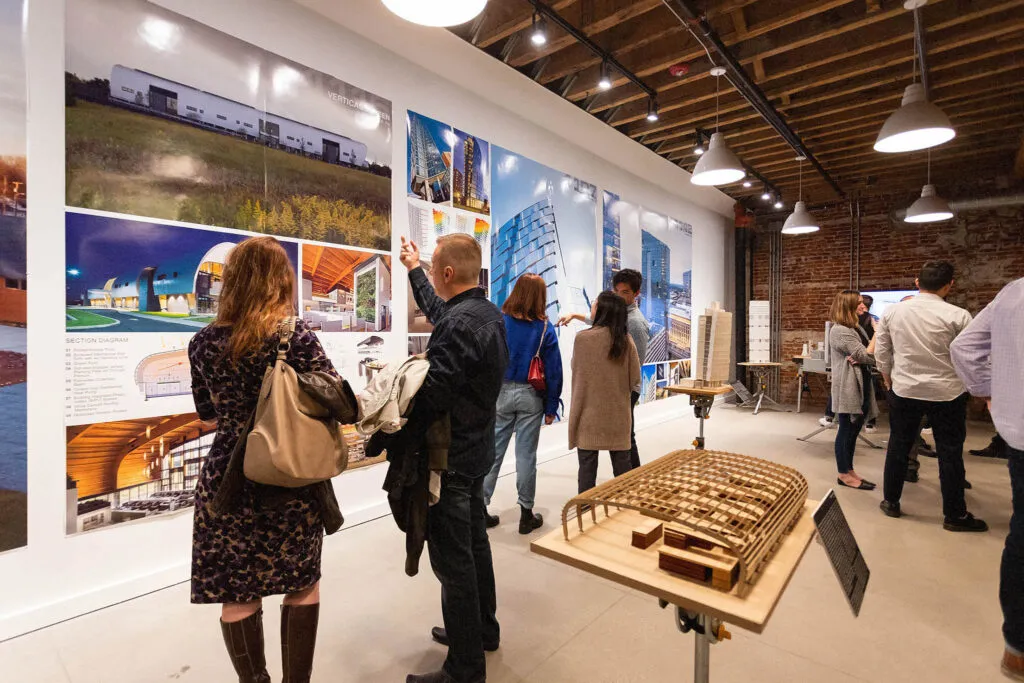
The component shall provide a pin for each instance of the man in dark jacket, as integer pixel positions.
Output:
(468, 357)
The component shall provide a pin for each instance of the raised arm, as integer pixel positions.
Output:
(433, 306)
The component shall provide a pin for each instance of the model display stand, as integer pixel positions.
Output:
(774, 528)
(701, 398)
(728, 512)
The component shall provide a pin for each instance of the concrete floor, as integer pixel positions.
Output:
(931, 612)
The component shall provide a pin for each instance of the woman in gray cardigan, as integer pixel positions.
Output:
(853, 396)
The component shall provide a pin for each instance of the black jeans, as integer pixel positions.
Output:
(1011, 574)
(949, 424)
(460, 555)
(634, 454)
(846, 440)
(588, 466)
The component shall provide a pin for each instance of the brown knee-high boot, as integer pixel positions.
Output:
(244, 640)
(298, 640)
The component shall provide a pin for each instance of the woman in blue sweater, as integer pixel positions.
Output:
(521, 409)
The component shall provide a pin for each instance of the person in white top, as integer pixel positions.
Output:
(912, 353)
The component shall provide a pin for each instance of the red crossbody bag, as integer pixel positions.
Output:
(536, 377)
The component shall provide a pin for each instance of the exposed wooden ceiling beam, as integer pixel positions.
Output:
(518, 24)
(633, 10)
(890, 98)
(861, 69)
(662, 62)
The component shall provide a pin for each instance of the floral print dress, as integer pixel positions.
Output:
(253, 551)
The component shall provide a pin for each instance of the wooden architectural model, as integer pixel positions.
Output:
(719, 516)
(714, 348)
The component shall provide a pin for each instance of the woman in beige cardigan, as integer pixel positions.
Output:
(605, 370)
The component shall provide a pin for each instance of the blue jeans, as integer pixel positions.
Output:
(520, 410)
(1011, 574)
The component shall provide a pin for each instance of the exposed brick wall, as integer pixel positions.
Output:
(987, 248)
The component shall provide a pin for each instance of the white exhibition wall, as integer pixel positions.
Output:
(429, 71)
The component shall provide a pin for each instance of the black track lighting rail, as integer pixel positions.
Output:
(697, 24)
(584, 40)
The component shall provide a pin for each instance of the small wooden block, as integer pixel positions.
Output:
(684, 539)
(647, 534)
(712, 568)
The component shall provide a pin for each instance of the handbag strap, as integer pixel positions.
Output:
(285, 332)
(543, 334)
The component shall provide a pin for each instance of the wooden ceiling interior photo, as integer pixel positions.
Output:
(108, 456)
(811, 78)
(330, 269)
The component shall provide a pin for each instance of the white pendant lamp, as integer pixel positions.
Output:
(717, 166)
(800, 222)
(930, 207)
(436, 12)
(917, 124)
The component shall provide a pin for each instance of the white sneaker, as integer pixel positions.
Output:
(825, 422)
(870, 429)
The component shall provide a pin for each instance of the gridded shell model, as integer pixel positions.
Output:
(744, 504)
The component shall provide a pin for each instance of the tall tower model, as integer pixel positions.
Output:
(714, 347)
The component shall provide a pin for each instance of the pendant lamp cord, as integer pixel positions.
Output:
(917, 47)
(718, 84)
(929, 167)
(800, 174)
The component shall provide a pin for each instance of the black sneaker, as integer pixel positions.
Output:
(890, 509)
(965, 523)
(911, 477)
(529, 522)
(492, 521)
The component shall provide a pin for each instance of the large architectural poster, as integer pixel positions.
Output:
(544, 223)
(449, 191)
(661, 248)
(181, 142)
(13, 303)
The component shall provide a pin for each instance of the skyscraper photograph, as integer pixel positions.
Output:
(661, 249)
(429, 145)
(472, 187)
(545, 221)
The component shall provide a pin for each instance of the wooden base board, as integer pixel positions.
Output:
(603, 549)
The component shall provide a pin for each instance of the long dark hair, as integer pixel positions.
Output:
(611, 313)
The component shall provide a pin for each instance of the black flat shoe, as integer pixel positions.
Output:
(911, 477)
(864, 486)
(967, 484)
(492, 521)
(440, 636)
(869, 483)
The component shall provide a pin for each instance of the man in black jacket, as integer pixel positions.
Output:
(468, 356)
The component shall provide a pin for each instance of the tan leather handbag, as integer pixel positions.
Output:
(295, 441)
